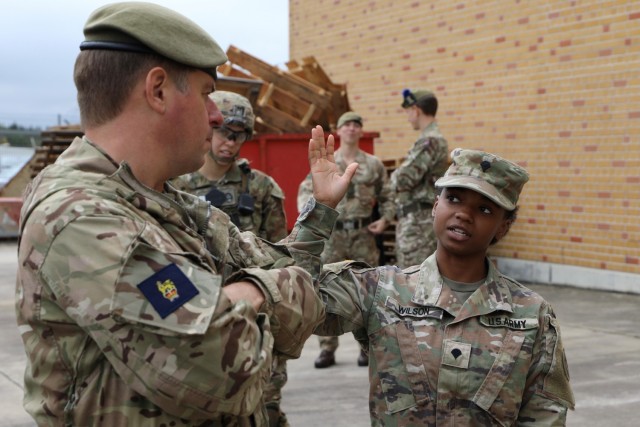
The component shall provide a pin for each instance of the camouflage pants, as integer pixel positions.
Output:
(358, 245)
(415, 238)
(273, 393)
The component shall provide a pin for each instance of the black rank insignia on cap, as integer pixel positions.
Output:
(168, 289)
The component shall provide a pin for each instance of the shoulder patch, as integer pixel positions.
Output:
(167, 290)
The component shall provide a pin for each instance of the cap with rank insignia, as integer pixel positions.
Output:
(496, 178)
(167, 290)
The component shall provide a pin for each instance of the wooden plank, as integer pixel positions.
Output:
(311, 71)
(280, 120)
(261, 127)
(287, 81)
(249, 88)
(293, 106)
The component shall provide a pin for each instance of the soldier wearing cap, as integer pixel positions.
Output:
(413, 181)
(452, 341)
(251, 198)
(139, 304)
(354, 234)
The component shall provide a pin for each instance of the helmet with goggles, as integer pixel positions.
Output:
(236, 111)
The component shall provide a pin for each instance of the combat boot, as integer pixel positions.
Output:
(363, 359)
(326, 359)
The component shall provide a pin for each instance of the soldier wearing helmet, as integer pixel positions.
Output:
(251, 198)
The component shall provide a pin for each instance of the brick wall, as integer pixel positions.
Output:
(552, 85)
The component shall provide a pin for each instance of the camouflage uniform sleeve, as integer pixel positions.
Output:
(294, 306)
(347, 289)
(384, 195)
(206, 356)
(305, 191)
(274, 220)
(549, 394)
(411, 173)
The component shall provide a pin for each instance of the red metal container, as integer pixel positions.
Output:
(284, 158)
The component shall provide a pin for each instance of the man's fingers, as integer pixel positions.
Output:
(350, 171)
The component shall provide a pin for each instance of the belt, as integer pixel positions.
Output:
(352, 224)
(414, 206)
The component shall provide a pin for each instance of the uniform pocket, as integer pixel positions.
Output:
(500, 394)
(403, 379)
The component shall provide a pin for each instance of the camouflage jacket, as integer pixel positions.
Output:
(496, 360)
(120, 307)
(267, 220)
(427, 161)
(368, 186)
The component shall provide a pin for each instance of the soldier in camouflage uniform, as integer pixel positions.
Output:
(412, 182)
(251, 198)
(354, 234)
(138, 304)
(453, 341)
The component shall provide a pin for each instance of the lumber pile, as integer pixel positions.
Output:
(54, 141)
(284, 101)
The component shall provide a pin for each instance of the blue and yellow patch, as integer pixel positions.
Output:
(168, 289)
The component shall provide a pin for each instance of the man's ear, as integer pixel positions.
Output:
(156, 85)
(435, 203)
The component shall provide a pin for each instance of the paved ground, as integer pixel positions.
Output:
(601, 334)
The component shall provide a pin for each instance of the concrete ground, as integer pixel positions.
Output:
(601, 333)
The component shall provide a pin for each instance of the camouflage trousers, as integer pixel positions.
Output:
(359, 245)
(273, 393)
(415, 238)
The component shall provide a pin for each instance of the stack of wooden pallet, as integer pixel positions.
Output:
(54, 141)
(290, 101)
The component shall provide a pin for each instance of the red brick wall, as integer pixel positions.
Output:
(552, 85)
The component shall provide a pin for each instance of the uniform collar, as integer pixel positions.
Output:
(492, 295)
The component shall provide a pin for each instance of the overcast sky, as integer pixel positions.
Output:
(39, 42)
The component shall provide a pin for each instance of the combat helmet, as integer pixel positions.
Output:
(236, 110)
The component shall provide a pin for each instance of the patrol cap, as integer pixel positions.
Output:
(349, 116)
(235, 109)
(498, 179)
(150, 28)
(410, 97)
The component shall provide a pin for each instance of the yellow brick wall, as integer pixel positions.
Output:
(552, 85)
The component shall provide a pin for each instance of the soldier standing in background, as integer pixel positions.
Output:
(138, 304)
(413, 181)
(451, 340)
(354, 234)
(251, 198)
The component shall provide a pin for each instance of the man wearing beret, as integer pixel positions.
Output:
(354, 234)
(412, 182)
(138, 304)
(451, 340)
